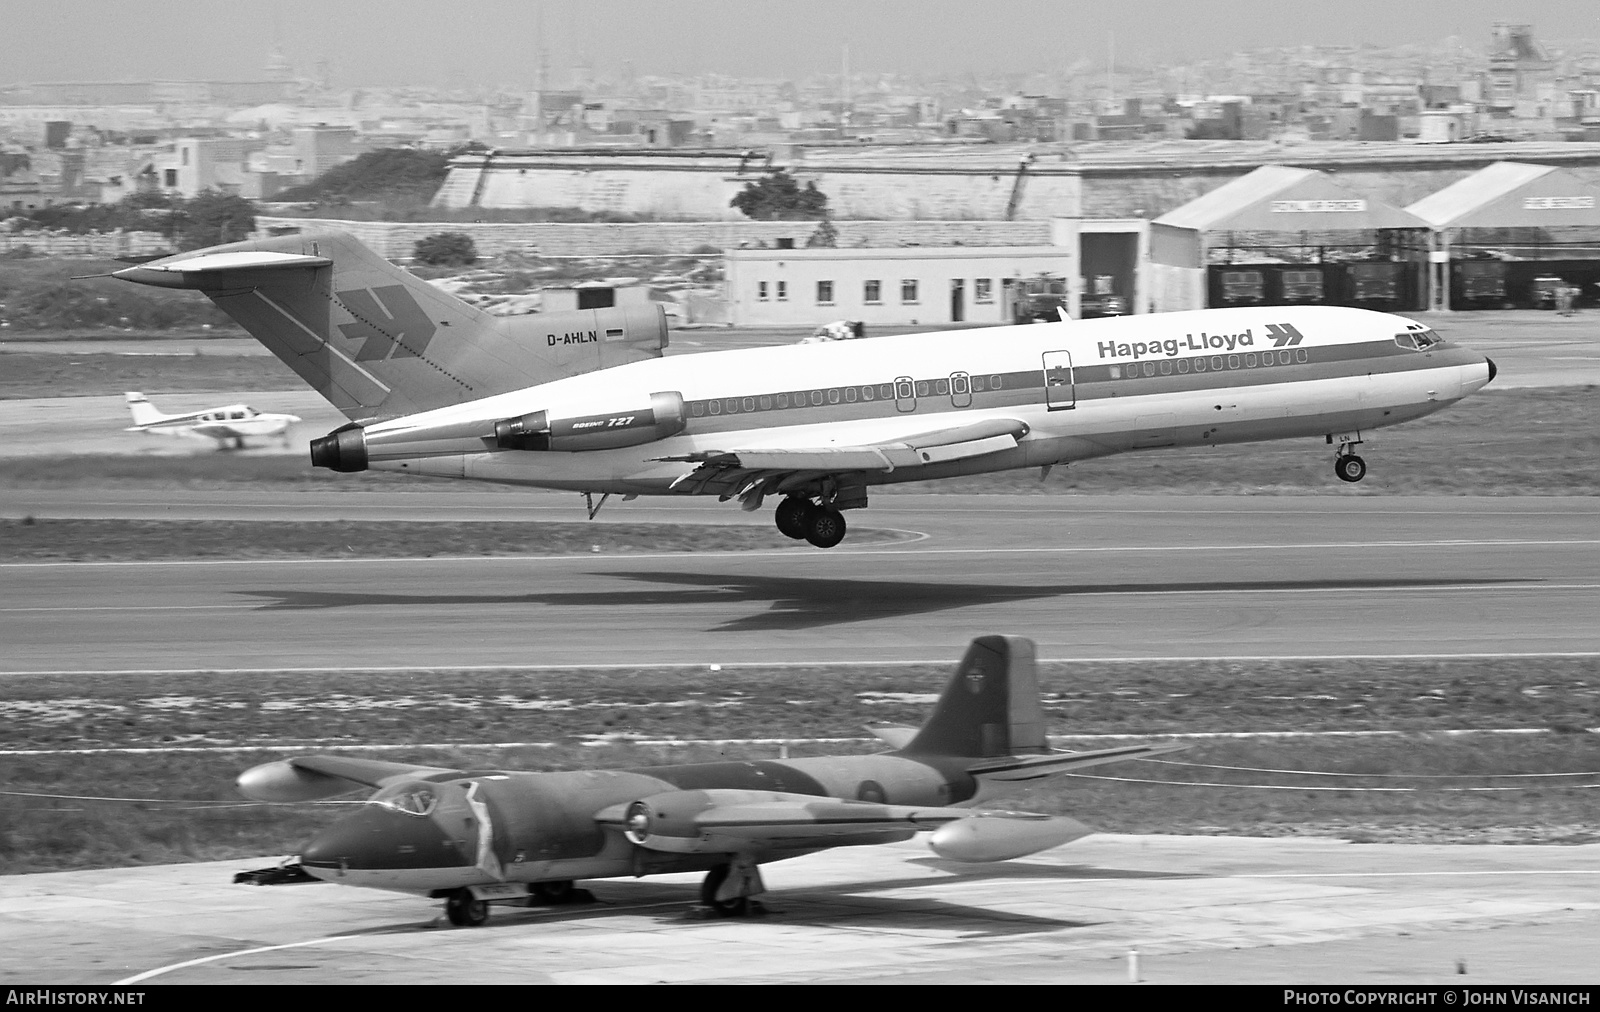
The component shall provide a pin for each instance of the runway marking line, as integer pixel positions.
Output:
(861, 553)
(400, 669)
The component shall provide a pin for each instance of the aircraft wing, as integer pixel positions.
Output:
(1035, 767)
(739, 471)
(217, 430)
(308, 778)
(739, 821)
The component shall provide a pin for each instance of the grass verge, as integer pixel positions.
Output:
(601, 718)
(1510, 442)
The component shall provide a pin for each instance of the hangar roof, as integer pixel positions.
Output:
(1512, 195)
(1280, 198)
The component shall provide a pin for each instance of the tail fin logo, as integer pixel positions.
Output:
(389, 323)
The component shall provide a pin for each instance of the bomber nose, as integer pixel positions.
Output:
(377, 839)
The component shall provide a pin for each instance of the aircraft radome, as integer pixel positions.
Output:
(475, 837)
(230, 423)
(585, 401)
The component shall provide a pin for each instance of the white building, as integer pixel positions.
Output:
(910, 285)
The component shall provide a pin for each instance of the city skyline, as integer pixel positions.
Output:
(365, 43)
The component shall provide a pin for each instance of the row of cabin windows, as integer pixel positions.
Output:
(1216, 363)
(960, 384)
(871, 291)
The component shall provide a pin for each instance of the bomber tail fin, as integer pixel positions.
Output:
(379, 342)
(144, 413)
(990, 707)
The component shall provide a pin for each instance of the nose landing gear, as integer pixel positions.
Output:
(1346, 465)
(1349, 467)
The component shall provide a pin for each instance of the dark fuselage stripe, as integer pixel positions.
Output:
(1088, 383)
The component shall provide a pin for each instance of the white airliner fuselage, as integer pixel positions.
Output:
(908, 408)
(585, 401)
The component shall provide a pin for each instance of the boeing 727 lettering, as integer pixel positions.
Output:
(585, 401)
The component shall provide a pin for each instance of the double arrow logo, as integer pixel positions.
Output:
(389, 323)
(1284, 335)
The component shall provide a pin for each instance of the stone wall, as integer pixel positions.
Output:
(397, 240)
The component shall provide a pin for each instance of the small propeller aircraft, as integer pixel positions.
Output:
(230, 423)
(476, 837)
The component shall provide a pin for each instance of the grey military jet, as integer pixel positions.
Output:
(476, 837)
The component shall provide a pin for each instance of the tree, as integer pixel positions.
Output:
(446, 249)
(387, 173)
(212, 218)
(825, 237)
(779, 197)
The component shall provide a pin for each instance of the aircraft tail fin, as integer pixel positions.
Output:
(379, 342)
(990, 707)
(144, 413)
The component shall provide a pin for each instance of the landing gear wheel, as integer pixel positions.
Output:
(466, 910)
(1350, 468)
(736, 907)
(791, 517)
(825, 526)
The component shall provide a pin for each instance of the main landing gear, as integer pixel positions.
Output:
(802, 519)
(465, 910)
(728, 889)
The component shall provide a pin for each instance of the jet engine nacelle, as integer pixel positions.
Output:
(1003, 836)
(283, 781)
(662, 416)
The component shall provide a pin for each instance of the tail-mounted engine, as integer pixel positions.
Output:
(547, 430)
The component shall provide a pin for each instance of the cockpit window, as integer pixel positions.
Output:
(1418, 340)
(411, 799)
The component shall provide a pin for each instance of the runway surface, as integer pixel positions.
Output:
(1198, 910)
(1086, 577)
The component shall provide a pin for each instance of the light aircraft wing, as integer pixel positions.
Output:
(1034, 767)
(739, 472)
(217, 430)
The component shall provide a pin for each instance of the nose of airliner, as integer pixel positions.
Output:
(379, 839)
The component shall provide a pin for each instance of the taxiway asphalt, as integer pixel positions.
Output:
(1199, 910)
(1086, 577)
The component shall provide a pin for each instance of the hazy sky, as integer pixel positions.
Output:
(386, 42)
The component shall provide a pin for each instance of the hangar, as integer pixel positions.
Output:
(1282, 236)
(1510, 234)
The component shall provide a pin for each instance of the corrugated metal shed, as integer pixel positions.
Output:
(1278, 198)
(1512, 195)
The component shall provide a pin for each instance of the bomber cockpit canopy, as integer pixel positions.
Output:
(408, 798)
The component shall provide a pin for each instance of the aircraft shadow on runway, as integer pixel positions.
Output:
(797, 603)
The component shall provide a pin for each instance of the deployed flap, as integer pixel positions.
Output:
(729, 469)
(1034, 767)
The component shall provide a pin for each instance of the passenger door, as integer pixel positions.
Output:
(1059, 392)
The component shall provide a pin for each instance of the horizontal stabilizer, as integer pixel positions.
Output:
(240, 260)
(893, 735)
(1034, 767)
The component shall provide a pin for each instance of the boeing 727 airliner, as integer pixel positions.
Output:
(584, 401)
